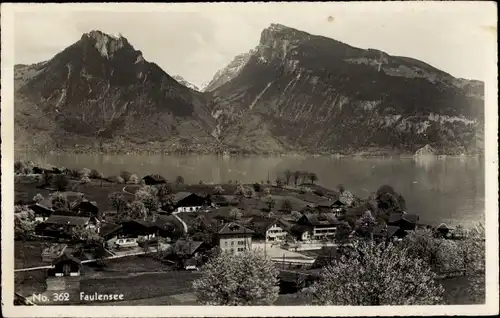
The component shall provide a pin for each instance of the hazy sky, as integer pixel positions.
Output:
(195, 40)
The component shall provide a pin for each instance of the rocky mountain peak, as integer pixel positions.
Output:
(107, 45)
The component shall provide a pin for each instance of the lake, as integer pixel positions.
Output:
(449, 190)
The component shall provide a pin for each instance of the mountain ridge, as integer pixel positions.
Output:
(294, 92)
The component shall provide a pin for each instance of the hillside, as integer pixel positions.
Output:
(99, 94)
(298, 91)
(294, 92)
(182, 81)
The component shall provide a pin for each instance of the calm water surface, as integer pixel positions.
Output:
(449, 190)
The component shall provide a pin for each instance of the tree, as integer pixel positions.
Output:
(240, 192)
(286, 206)
(296, 177)
(288, 176)
(117, 201)
(85, 173)
(163, 192)
(377, 275)
(343, 232)
(365, 224)
(218, 190)
(134, 179)
(125, 175)
(38, 198)
(422, 244)
(249, 278)
(279, 182)
(60, 181)
(249, 192)
(313, 177)
(24, 227)
(179, 180)
(235, 214)
(296, 215)
(257, 187)
(94, 174)
(137, 210)
(270, 202)
(475, 265)
(59, 201)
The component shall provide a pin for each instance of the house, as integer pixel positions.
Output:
(65, 274)
(338, 208)
(46, 168)
(110, 233)
(190, 202)
(61, 222)
(54, 251)
(83, 206)
(43, 210)
(388, 232)
(188, 248)
(406, 222)
(154, 179)
(235, 238)
(271, 230)
(302, 232)
(323, 225)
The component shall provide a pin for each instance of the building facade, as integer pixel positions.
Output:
(235, 238)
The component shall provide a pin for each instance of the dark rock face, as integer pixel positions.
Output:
(300, 91)
(102, 88)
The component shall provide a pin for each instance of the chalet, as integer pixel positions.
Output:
(190, 202)
(406, 222)
(65, 274)
(61, 222)
(302, 232)
(388, 232)
(110, 233)
(83, 206)
(154, 179)
(274, 230)
(188, 248)
(338, 208)
(323, 225)
(235, 238)
(43, 210)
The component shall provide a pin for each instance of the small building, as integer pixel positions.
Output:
(188, 248)
(43, 210)
(235, 238)
(61, 222)
(338, 208)
(110, 233)
(65, 274)
(83, 206)
(324, 225)
(190, 202)
(388, 233)
(405, 221)
(302, 232)
(154, 179)
(274, 230)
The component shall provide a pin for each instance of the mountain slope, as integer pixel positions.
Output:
(100, 94)
(182, 81)
(229, 72)
(298, 91)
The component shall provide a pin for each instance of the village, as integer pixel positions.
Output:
(147, 239)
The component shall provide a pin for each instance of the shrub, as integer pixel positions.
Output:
(75, 173)
(18, 166)
(26, 170)
(257, 187)
(85, 173)
(38, 198)
(85, 180)
(94, 174)
(179, 180)
(125, 175)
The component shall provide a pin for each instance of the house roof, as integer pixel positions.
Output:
(391, 230)
(41, 209)
(186, 246)
(66, 257)
(54, 249)
(412, 218)
(300, 228)
(67, 220)
(180, 195)
(235, 228)
(77, 202)
(155, 177)
(109, 228)
(321, 219)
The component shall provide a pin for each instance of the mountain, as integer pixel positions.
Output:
(229, 72)
(301, 92)
(101, 94)
(182, 81)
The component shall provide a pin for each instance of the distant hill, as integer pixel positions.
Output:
(182, 81)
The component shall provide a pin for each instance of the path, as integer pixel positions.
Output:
(152, 250)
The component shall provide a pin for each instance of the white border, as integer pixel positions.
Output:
(491, 192)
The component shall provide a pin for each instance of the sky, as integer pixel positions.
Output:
(196, 40)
